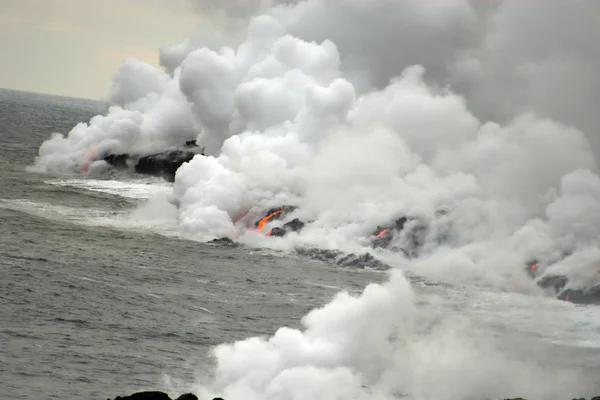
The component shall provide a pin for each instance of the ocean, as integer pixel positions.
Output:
(100, 296)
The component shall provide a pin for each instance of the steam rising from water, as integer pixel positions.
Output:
(356, 128)
(382, 345)
(361, 112)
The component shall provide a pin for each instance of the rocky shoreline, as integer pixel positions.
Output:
(155, 395)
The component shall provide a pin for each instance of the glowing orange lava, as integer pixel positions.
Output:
(263, 221)
(381, 233)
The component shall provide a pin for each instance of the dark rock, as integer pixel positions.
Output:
(554, 282)
(164, 164)
(191, 396)
(187, 396)
(224, 241)
(294, 225)
(557, 285)
(319, 254)
(365, 260)
(150, 395)
(382, 237)
(273, 214)
(588, 296)
(414, 235)
(154, 395)
(117, 160)
(277, 232)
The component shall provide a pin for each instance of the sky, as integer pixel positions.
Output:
(74, 47)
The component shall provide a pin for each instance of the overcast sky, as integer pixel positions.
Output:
(74, 47)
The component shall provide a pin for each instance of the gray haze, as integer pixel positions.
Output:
(505, 57)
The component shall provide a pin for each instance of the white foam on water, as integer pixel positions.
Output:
(549, 319)
(145, 218)
(139, 189)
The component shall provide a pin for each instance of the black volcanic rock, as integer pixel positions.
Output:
(275, 213)
(319, 254)
(224, 241)
(117, 160)
(155, 395)
(589, 296)
(150, 395)
(191, 396)
(337, 257)
(277, 232)
(294, 225)
(365, 260)
(557, 284)
(187, 396)
(554, 282)
(414, 235)
(163, 164)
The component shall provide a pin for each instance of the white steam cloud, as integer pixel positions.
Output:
(360, 112)
(381, 345)
(360, 126)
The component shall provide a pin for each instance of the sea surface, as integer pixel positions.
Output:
(99, 296)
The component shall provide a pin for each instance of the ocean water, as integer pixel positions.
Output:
(100, 297)
(92, 306)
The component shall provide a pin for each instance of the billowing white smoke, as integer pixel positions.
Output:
(349, 129)
(148, 113)
(301, 134)
(504, 56)
(381, 345)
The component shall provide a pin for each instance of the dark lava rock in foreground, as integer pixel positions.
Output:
(190, 396)
(152, 395)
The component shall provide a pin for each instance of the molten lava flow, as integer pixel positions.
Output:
(381, 233)
(87, 158)
(269, 233)
(263, 221)
(533, 267)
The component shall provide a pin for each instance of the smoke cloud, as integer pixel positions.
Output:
(382, 345)
(364, 112)
(505, 56)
